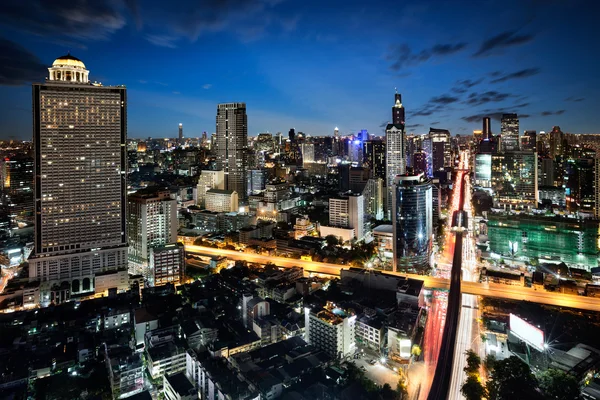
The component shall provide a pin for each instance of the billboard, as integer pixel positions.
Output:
(527, 332)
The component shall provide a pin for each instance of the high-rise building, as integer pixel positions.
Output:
(347, 211)
(546, 171)
(257, 180)
(597, 188)
(80, 141)
(483, 170)
(374, 157)
(334, 333)
(308, 153)
(515, 179)
(412, 222)
(487, 128)
(419, 162)
(167, 263)
(208, 180)
(395, 144)
(373, 195)
(477, 135)
(152, 221)
(510, 132)
(180, 133)
(528, 141)
(231, 145)
(17, 187)
(556, 142)
(441, 149)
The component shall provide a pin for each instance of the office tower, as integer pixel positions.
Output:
(167, 263)
(336, 132)
(218, 200)
(435, 200)
(509, 132)
(373, 196)
(344, 176)
(231, 145)
(546, 171)
(208, 180)
(412, 222)
(180, 133)
(528, 141)
(580, 184)
(347, 211)
(441, 149)
(395, 144)
(556, 142)
(151, 221)
(419, 162)
(427, 147)
(257, 180)
(308, 153)
(477, 135)
(17, 187)
(487, 128)
(483, 170)
(355, 151)
(597, 188)
(515, 179)
(374, 157)
(80, 141)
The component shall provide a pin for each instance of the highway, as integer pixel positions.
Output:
(476, 288)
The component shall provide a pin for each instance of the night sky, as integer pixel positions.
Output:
(314, 65)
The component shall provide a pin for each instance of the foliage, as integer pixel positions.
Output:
(489, 362)
(558, 385)
(473, 362)
(472, 389)
(332, 240)
(511, 379)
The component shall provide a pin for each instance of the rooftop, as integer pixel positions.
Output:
(180, 383)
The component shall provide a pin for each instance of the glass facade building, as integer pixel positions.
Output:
(554, 238)
(514, 179)
(412, 222)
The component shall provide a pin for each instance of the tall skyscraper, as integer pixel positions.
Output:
(528, 141)
(441, 148)
(17, 188)
(80, 141)
(487, 128)
(231, 145)
(412, 221)
(395, 144)
(509, 132)
(515, 179)
(374, 157)
(556, 142)
(180, 133)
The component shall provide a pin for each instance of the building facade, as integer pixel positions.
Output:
(509, 132)
(222, 200)
(231, 145)
(515, 179)
(167, 264)
(208, 180)
(80, 142)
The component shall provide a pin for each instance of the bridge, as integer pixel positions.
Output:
(480, 289)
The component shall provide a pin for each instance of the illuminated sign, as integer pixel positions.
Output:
(527, 332)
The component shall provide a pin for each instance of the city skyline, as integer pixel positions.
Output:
(311, 69)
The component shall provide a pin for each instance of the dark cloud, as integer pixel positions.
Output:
(548, 113)
(423, 113)
(401, 56)
(491, 96)
(86, 20)
(496, 116)
(444, 99)
(463, 86)
(434, 123)
(79, 19)
(575, 99)
(523, 73)
(383, 124)
(502, 40)
(414, 126)
(18, 66)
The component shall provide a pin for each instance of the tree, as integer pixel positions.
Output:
(558, 385)
(332, 240)
(472, 389)
(473, 362)
(511, 379)
(489, 362)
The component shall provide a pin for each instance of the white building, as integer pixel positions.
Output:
(165, 359)
(331, 330)
(179, 387)
(222, 200)
(115, 318)
(152, 221)
(112, 280)
(348, 212)
(80, 132)
(209, 180)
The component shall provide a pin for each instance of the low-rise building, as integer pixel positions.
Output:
(331, 330)
(178, 387)
(218, 200)
(125, 371)
(165, 359)
(111, 279)
(116, 317)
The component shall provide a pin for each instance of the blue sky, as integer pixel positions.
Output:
(314, 65)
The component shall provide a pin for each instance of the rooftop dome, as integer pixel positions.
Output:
(68, 60)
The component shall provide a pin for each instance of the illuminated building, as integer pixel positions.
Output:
(80, 141)
(419, 162)
(573, 241)
(515, 180)
(17, 187)
(545, 172)
(529, 141)
(332, 330)
(509, 132)
(395, 144)
(483, 170)
(556, 142)
(487, 128)
(412, 222)
(231, 145)
(257, 180)
(308, 153)
(152, 221)
(180, 134)
(167, 264)
(477, 135)
(348, 211)
(374, 157)
(208, 180)
(373, 195)
(218, 200)
(441, 151)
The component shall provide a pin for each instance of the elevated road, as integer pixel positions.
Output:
(476, 288)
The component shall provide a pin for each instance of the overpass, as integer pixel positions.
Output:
(476, 288)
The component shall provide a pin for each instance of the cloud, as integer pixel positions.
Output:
(491, 96)
(523, 73)
(434, 123)
(575, 99)
(496, 116)
(206, 86)
(384, 124)
(502, 40)
(163, 40)
(463, 86)
(401, 56)
(82, 19)
(176, 92)
(414, 126)
(444, 99)
(18, 66)
(548, 113)
(143, 82)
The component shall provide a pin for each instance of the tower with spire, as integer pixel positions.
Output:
(395, 140)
